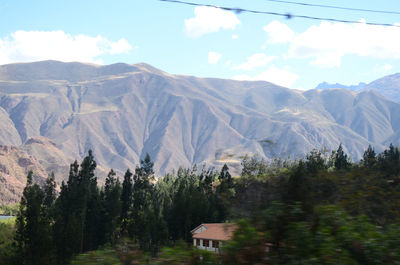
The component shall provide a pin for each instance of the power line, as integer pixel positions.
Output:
(287, 15)
(336, 7)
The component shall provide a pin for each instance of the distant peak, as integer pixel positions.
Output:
(326, 85)
(69, 71)
(149, 68)
(49, 62)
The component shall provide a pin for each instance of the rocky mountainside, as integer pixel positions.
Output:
(123, 111)
(14, 166)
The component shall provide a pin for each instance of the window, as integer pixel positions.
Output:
(215, 244)
(197, 242)
(206, 243)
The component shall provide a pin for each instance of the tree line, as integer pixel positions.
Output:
(320, 209)
(51, 229)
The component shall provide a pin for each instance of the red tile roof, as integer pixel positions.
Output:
(216, 231)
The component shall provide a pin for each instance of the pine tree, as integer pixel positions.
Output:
(49, 191)
(78, 211)
(142, 205)
(126, 200)
(32, 225)
(299, 187)
(146, 166)
(389, 161)
(111, 207)
(315, 161)
(369, 157)
(50, 194)
(66, 226)
(341, 159)
(225, 193)
(90, 207)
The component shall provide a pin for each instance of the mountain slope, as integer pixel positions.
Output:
(387, 86)
(123, 111)
(14, 166)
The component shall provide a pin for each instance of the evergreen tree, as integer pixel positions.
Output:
(389, 161)
(49, 191)
(126, 200)
(253, 166)
(66, 226)
(369, 157)
(78, 212)
(147, 165)
(111, 207)
(315, 161)
(225, 193)
(32, 225)
(90, 207)
(50, 194)
(299, 187)
(225, 175)
(340, 159)
(142, 190)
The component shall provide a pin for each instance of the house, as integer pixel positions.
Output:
(211, 236)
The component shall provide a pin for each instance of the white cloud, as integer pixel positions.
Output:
(235, 37)
(328, 42)
(121, 46)
(274, 75)
(278, 32)
(387, 67)
(208, 20)
(255, 61)
(213, 57)
(26, 46)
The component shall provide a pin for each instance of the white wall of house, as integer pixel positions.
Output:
(209, 247)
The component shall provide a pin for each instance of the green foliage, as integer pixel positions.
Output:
(340, 159)
(8, 251)
(11, 209)
(253, 166)
(389, 161)
(315, 161)
(126, 200)
(317, 210)
(33, 223)
(247, 246)
(182, 254)
(107, 256)
(78, 225)
(146, 166)
(225, 192)
(369, 157)
(111, 208)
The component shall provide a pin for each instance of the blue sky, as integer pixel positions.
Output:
(205, 42)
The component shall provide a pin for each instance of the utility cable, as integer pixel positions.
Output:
(336, 7)
(287, 15)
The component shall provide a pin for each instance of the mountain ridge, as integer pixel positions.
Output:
(124, 111)
(387, 86)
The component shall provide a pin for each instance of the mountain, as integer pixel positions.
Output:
(387, 86)
(14, 167)
(325, 85)
(58, 111)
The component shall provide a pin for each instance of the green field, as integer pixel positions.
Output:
(8, 221)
